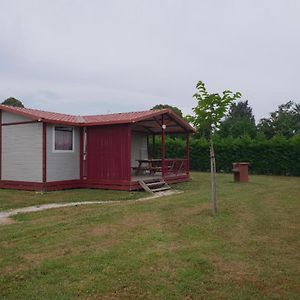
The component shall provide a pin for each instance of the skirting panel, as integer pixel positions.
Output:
(21, 185)
(39, 186)
(121, 185)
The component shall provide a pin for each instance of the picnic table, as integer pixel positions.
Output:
(151, 165)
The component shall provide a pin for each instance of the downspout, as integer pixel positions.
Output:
(44, 155)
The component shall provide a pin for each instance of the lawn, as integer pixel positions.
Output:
(167, 248)
(16, 199)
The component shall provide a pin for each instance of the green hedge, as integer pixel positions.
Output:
(278, 156)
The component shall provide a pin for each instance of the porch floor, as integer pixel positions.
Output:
(154, 176)
(145, 177)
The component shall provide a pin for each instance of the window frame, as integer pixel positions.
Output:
(53, 140)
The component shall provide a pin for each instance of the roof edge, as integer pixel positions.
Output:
(81, 121)
(12, 109)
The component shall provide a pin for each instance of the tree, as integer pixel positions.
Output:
(285, 121)
(210, 109)
(175, 109)
(296, 110)
(13, 102)
(239, 121)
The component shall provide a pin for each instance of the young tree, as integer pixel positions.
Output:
(210, 110)
(13, 102)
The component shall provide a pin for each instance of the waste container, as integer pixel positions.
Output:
(240, 171)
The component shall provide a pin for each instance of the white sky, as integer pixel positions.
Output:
(88, 56)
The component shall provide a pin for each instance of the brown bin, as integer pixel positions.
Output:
(240, 171)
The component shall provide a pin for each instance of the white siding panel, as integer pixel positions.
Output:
(138, 147)
(8, 117)
(62, 166)
(22, 150)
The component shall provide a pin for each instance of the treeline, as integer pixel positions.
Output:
(272, 146)
(240, 121)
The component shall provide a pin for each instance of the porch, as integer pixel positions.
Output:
(150, 159)
(152, 168)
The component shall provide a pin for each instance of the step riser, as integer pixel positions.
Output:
(152, 181)
(153, 187)
(155, 184)
(161, 189)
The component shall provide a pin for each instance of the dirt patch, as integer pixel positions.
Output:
(234, 271)
(7, 221)
(196, 209)
(125, 224)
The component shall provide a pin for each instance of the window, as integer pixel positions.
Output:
(63, 140)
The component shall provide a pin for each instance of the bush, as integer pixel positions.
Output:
(277, 156)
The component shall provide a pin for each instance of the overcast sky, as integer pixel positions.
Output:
(88, 57)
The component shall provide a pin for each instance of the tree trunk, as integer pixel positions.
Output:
(213, 177)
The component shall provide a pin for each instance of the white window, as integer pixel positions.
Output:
(63, 139)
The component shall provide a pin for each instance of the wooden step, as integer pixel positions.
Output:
(154, 185)
(151, 180)
(161, 189)
(145, 187)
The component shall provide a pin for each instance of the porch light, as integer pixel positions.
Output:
(164, 126)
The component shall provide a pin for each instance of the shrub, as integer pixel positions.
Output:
(277, 156)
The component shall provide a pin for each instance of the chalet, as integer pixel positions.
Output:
(42, 150)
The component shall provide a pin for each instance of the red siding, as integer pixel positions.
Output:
(109, 152)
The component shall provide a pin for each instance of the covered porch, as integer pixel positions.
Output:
(150, 158)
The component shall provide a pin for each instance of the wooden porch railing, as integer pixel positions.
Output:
(176, 166)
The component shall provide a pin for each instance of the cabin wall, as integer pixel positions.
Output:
(22, 147)
(139, 147)
(8, 117)
(108, 153)
(62, 166)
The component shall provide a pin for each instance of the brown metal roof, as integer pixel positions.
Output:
(93, 120)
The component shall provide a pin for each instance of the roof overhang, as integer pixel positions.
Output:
(151, 121)
(173, 123)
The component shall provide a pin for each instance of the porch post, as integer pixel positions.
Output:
(163, 148)
(84, 153)
(129, 141)
(187, 153)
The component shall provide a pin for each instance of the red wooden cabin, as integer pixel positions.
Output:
(105, 151)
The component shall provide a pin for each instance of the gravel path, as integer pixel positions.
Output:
(5, 215)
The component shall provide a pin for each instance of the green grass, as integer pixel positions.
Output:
(168, 248)
(15, 199)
